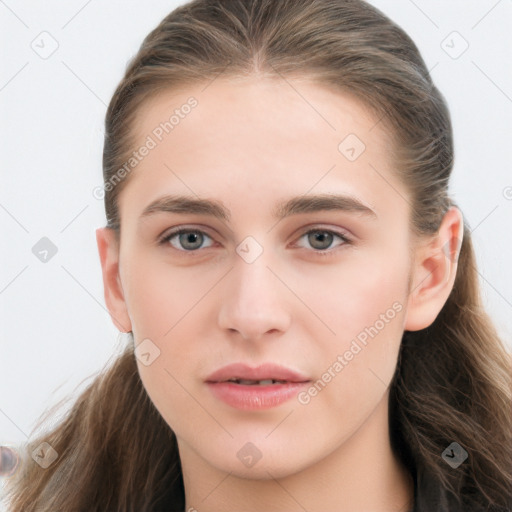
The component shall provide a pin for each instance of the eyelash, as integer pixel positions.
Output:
(320, 252)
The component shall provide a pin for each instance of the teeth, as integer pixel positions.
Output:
(245, 382)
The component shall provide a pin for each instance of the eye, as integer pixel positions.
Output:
(188, 239)
(321, 239)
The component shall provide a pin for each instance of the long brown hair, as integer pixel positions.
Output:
(453, 379)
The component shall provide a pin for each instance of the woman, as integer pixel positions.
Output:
(306, 331)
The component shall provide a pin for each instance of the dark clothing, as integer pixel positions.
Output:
(430, 496)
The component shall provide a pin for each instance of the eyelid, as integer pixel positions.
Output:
(184, 227)
(343, 233)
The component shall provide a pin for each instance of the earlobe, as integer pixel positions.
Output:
(108, 248)
(434, 271)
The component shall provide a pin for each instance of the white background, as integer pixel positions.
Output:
(55, 330)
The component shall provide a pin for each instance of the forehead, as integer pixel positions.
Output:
(252, 106)
(263, 136)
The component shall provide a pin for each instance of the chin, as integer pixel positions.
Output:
(259, 460)
(268, 470)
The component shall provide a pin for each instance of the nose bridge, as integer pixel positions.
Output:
(254, 302)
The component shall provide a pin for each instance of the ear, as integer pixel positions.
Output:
(108, 247)
(433, 272)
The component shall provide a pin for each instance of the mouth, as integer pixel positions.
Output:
(263, 375)
(264, 382)
(252, 388)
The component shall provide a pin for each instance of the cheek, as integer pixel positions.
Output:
(165, 307)
(162, 295)
(172, 382)
(353, 294)
(363, 304)
(162, 384)
(354, 372)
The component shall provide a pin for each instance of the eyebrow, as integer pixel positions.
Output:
(293, 206)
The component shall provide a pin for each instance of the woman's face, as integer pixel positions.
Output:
(246, 284)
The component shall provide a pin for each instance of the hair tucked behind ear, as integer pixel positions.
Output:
(453, 379)
(453, 383)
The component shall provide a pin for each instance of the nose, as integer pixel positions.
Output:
(254, 301)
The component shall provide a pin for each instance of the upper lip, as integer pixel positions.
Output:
(263, 372)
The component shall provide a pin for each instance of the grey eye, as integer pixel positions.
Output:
(188, 239)
(320, 239)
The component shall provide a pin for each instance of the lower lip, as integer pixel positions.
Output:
(255, 397)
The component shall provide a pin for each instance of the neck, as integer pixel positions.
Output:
(361, 475)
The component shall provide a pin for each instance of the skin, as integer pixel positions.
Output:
(251, 143)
